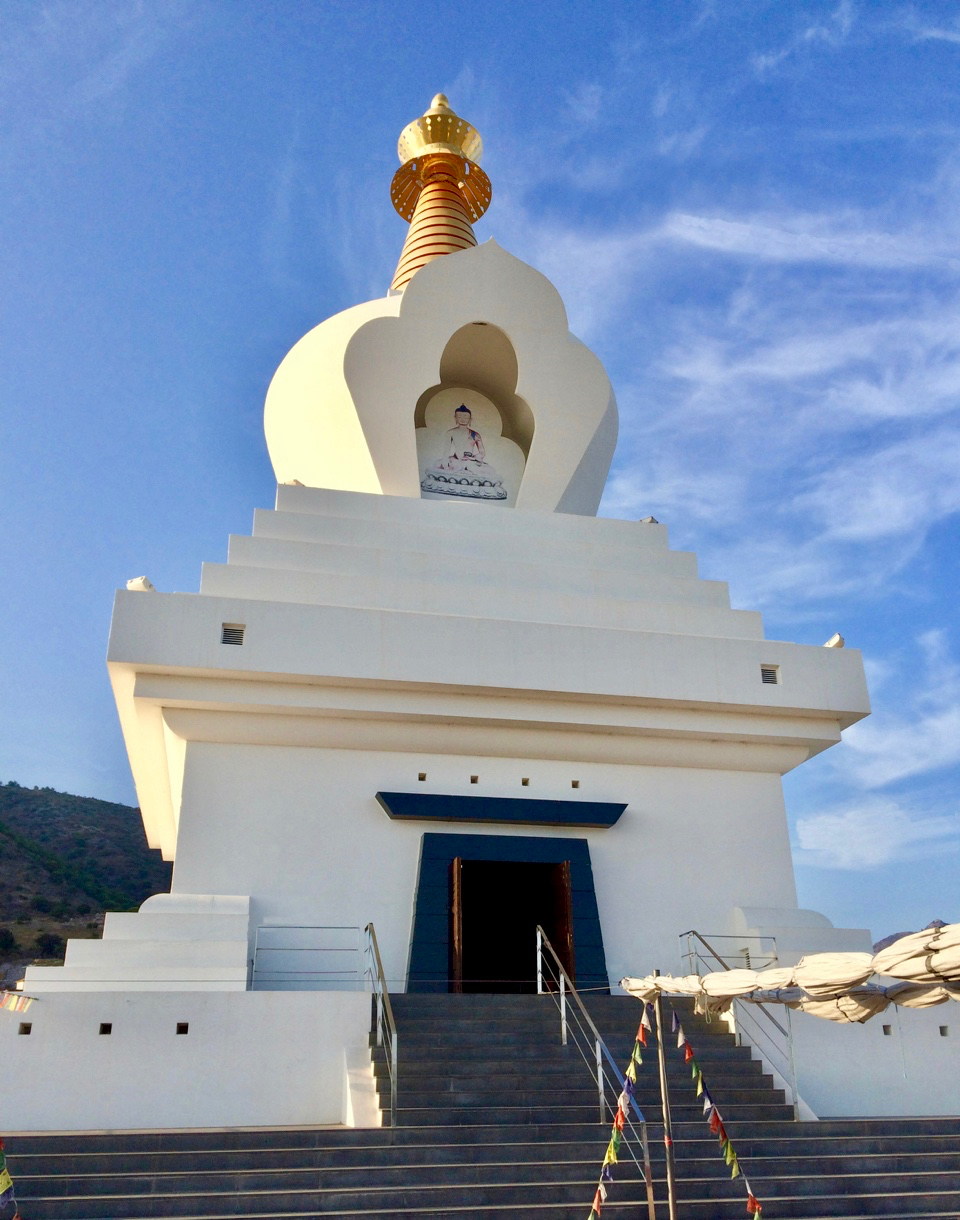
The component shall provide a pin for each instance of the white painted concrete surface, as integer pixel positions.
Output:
(846, 1070)
(249, 1059)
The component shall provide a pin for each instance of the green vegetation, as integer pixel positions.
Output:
(65, 860)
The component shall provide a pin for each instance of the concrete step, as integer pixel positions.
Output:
(498, 1118)
(562, 1098)
(417, 1116)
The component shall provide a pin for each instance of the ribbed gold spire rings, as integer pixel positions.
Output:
(439, 188)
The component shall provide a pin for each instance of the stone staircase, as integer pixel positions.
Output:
(496, 1119)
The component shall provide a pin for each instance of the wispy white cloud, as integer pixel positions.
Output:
(831, 33)
(585, 103)
(923, 30)
(899, 490)
(682, 144)
(815, 239)
(871, 832)
(139, 33)
(932, 33)
(84, 53)
(922, 736)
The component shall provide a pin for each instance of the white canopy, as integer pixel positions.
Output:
(830, 985)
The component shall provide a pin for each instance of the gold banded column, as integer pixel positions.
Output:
(440, 188)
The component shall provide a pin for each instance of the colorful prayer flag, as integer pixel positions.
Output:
(636, 1057)
(734, 1167)
(674, 1023)
(619, 1119)
(687, 1052)
(13, 1001)
(631, 1072)
(699, 1082)
(641, 1035)
(6, 1182)
(728, 1154)
(707, 1100)
(715, 1123)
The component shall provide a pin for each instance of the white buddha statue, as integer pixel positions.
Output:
(463, 469)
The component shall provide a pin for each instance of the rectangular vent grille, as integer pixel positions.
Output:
(231, 633)
(770, 674)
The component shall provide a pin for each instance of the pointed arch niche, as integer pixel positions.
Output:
(478, 369)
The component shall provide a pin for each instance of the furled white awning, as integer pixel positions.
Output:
(830, 985)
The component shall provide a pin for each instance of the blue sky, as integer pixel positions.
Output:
(751, 210)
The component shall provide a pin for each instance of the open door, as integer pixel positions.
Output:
(561, 935)
(495, 906)
(456, 929)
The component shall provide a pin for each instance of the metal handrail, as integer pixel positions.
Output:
(384, 1019)
(267, 979)
(787, 1034)
(600, 1052)
(702, 939)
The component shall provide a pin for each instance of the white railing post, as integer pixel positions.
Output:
(563, 1011)
(540, 964)
(793, 1069)
(393, 1081)
(603, 1104)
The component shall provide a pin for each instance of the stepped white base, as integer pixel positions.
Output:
(256, 1058)
(175, 942)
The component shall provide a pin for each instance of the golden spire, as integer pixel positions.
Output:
(439, 187)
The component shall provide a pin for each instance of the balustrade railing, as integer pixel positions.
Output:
(385, 1028)
(577, 1027)
(753, 1023)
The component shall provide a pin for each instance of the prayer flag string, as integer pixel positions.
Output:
(712, 1114)
(7, 1196)
(13, 1001)
(620, 1118)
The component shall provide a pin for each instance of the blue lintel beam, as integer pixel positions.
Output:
(502, 810)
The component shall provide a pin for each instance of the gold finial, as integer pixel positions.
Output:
(440, 141)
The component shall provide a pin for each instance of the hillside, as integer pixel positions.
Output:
(66, 860)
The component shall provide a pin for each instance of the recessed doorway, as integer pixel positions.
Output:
(431, 936)
(496, 906)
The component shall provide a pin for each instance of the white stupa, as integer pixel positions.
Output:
(431, 655)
